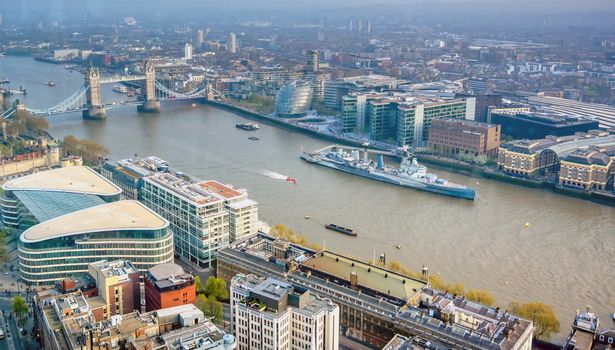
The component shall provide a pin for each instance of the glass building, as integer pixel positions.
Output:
(32, 199)
(294, 99)
(64, 246)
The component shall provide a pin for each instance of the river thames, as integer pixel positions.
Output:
(566, 258)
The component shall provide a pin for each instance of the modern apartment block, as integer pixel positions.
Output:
(336, 89)
(458, 136)
(376, 303)
(271, 314)
(64, 246)
(204, 215)
(168, 285)
(67, 322)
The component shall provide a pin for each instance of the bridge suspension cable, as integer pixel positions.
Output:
(74, 102)
(165, 92)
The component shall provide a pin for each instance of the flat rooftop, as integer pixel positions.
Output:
(120, 215)
(188, 191)
(370, 276)
(114, 268)
(216, 188)
(74, 179)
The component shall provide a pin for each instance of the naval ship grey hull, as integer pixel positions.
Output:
(453, 191)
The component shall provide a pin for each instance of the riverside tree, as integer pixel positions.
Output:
(543, 316)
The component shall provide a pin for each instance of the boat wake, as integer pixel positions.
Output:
(274, 175)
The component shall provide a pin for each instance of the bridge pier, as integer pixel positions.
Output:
(95, 113)
(149, 107)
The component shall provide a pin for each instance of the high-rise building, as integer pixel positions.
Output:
(188, 51)
(231, 45)
(359, 26)
(273, 314)
(350, 25)
(313, 61)
(168, 285)
(369, 26)
(199, 39)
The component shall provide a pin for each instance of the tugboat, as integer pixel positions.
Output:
(344, 230)
(292, 180)
(247, 126)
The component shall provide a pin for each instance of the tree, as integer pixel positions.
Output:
(216, 287)
(88, 150)
(200, 288)
(4, 253)
(543, 316)
(481, 296)
(20, 309)
(456, 289)
(213, 308)
(201, 301)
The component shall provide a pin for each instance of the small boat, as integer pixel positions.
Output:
(253, 138)
(291, 180)
(51, 83)
(307, 217)
(247, 126)
(344, 230)
(193, 105)
(4, 81)
(398, 246)
(121, 89)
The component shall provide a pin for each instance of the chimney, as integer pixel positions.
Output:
(354, 280)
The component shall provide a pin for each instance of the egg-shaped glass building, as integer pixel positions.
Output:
(294, 99)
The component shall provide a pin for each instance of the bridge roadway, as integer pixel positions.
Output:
(401, 318)
(121, 78)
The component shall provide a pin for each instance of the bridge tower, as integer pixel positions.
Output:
(150, 103)
(95, 109)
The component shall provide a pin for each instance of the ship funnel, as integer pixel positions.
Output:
(380, 161)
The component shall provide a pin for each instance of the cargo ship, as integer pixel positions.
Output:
(410, 173)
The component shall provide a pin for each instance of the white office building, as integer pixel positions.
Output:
(188, 51)
(270, 314)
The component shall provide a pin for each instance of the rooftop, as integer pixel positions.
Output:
(116, 268)
(191, 192)
(74, 179)
(375, 278)
(220, 190)
(168, 275)
(121, 215)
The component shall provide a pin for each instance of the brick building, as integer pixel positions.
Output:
(454, 136)
(168, 285)
(118, 286)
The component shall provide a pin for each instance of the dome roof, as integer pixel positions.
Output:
(294, 99)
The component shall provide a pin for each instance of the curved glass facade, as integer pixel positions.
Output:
(294, 99)
(47, 261)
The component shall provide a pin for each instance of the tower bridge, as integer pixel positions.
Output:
(88, 99)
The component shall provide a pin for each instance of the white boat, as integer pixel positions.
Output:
(120, 89)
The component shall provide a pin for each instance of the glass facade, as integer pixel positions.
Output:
(199, 229)
(294, 99)
(44, 262)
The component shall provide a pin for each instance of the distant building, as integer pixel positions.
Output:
(538, 125)
(168, 285)
(604, 114)
(588, 168)
(336, 89)
(313, 61)
(274, 314)
(188, 51)
(231, 45)
(118, 284)
(199, 38)
(64, 246)
(483, 103)
(455, 136)
(294, 99)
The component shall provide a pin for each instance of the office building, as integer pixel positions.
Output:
(32, 199)
(199, 220)
(118, 285)
(188, 51)
(231, 45)
(199, 39)
(336, 89)
(313, 61)
(588, 169)
(130, 175)
(586, 334)
(66, 322)
(293, 100)
(273, 314)
(458, 136)
(375, 303)
(538, 125)
(168, 285)
(484, 102)
(400, 342)
(604, 114)
(65, 245)
(542, 157)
